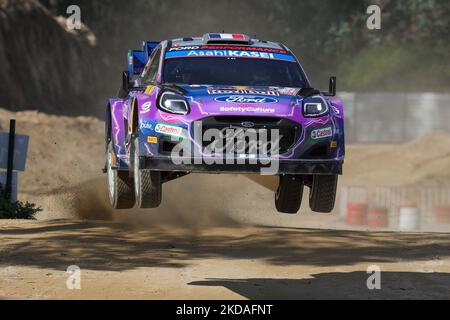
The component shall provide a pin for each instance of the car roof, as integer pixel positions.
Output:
(198, 41)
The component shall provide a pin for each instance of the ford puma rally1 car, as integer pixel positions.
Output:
(222, 103)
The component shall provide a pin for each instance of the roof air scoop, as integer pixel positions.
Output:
(226, 38)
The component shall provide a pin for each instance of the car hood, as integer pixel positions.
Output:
(242, 100)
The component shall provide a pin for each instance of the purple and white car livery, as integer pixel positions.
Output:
(222, 103)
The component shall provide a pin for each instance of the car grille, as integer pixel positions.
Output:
(251, 127)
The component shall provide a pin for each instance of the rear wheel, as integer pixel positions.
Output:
(120, 184)
(147, 183)
(323, 193)
(288, 197)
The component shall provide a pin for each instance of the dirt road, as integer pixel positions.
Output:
(120, 260)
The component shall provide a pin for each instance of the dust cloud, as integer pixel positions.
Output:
(191, 202)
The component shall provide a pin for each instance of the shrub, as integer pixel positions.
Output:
(16, 210)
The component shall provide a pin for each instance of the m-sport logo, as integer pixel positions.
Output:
(246, 99)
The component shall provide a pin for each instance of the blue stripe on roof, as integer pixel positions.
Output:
(230, 53)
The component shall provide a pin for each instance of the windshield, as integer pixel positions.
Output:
(233, 71)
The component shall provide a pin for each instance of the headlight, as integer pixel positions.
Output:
(173, 103)
(314, 106)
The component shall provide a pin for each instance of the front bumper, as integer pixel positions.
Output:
(306, 167)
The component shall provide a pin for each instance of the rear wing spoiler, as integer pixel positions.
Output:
(137, 59)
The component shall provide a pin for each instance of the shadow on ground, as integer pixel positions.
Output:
(352, 285)
(116, 246)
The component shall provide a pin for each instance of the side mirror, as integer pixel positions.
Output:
(125, 85)
(332, 86)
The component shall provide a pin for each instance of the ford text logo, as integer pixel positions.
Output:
(245, 99)
(247, 124)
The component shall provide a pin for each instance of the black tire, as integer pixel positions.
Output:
(120, 184)
(323, 193)
(147, 183)
(288, 197)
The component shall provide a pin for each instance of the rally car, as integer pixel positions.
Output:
(222, 103)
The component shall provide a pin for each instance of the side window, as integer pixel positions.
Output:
(151, 72)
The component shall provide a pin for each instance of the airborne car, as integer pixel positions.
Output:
(222, 103)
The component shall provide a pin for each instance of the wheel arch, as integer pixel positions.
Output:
(115, 125)
(108, 133)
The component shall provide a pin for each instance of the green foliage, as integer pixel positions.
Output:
(329, 37)
(16, 210)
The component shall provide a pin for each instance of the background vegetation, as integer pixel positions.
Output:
(16, 210)
(409, 53)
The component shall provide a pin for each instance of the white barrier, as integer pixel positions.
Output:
(393, 117)
(409, 219)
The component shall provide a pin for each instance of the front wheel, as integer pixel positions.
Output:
(120, 185)
(288, 197)
(323, 193)
(147, 183)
